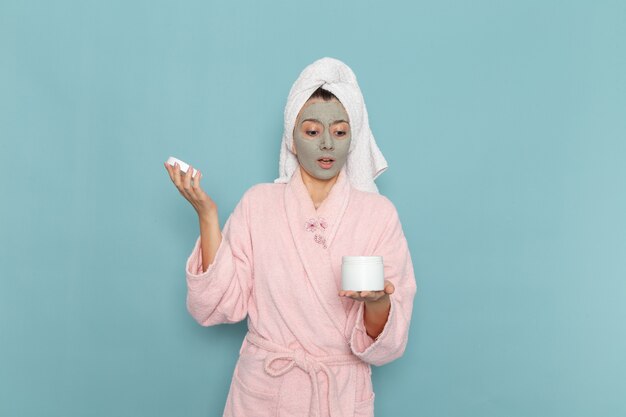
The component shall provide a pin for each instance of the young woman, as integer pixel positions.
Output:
(310, 345)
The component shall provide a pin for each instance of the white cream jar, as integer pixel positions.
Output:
(362, 273)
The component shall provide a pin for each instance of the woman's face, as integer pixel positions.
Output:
(322, 138)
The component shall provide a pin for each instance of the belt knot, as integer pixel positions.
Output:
(297, 357)
(302, 361)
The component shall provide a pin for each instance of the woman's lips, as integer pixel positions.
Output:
(325, 165)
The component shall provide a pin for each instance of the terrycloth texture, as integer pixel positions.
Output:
(365, 161)
(279, 264)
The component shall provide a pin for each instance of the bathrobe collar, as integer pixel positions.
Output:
(313, 232)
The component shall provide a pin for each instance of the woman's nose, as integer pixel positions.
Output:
(326, 141)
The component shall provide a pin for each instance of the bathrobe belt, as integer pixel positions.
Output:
(309, 364)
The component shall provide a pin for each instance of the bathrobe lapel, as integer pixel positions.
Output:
(313, 232)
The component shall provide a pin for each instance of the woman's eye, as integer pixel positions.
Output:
(340, 133)
(311, 132)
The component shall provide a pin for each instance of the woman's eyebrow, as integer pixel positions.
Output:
(333, 123)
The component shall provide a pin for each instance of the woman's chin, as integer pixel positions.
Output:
(322, 174)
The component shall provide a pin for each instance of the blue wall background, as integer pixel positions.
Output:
(504, 124)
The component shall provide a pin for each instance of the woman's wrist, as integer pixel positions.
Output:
(379, 305)
(377, 312)
(208, 216)
(375, 315)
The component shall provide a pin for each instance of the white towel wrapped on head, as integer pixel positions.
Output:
(365, 161)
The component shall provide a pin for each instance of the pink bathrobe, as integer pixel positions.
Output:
(306, 352)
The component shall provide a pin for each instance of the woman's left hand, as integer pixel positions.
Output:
(369, 296)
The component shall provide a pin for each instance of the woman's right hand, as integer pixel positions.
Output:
(191, 190)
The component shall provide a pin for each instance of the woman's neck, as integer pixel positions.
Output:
(318, 189)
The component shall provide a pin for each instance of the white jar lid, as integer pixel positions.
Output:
(362, 259)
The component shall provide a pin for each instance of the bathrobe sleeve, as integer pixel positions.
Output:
(398, 267)
(221, 294)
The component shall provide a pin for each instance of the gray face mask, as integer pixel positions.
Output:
(322, 131)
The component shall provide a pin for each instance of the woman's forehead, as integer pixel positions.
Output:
(320, 107)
